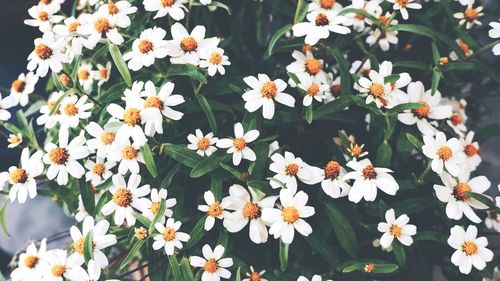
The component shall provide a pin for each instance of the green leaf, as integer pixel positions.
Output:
(186, 70)
(460, 65)
(208, 164)
(483, 199)
(258, 167)
(300, 11)
(411, 64)
(283, 254)
(170, 175)
(391, 78)
(115, 92)
(404, 106)
(436, 77)
(382, 268)
(215, 4)
(149, 160)
(103, 200)
(235, 173)
(196, 234)
(399, 253)
(238, 274)
(382, 206)
(435, 52)
(320, 245)
(88, 196)
(181, 154)
(414, 141)
(186, 271)
(216, 188)
(276, 36)
(361, 102)
(3, 223)
(364, 13)
(117, 56)
(345, 75)
(208, 112)
(88, 247)
(309, 114)
(57, 83)
(324, 111)
(431, 236)
(174, 266)
(384, 155)
(343, 229)
(12, 128)
(131, 254)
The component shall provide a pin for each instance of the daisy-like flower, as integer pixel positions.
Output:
(494, 33)
(14, 140)
(98, 171)
(101, 26)
(443, 153)
(130, 115)
(248, 207)
(470, 249)
(100, 240)
(470, 16)
(30, 263)
(152, 207)
(48, 53)
(454, 194)
(386, 37)
(385, 69)
(102, 73)
(324, 6)
(313, 90)
(22, 178)
(466, 50)
(356, 151)
(359, 21)
(254, 275)
(63, 158)
(93, 272)
(148, 47)
(159, 105)
(49, 115)
(119, 12)
(129, 156)
(238, 145)
(263, 94)
(214, 209)
(84, 76)
(376, 90)
(213, 265)
(314, 278)
(214, 60)
(368, 179)
(186, 48)
(73, 109)
(307, 65)
(127, 196)
(396, 228)
(333, 183)
(22, 87)
(55, 5)
(102, 143)
(170, 237)
(431, 108)
(203, 144)
(174, 8)
(404, 5)
(290, 217)
(43, 17)
(59, 267)
(5, 104)
(320, 25)
(288, 168)
(70, 31)
(471, 150)
(363, 70)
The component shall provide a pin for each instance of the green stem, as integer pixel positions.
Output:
(300, 3)
(420, 179)
(484, 48)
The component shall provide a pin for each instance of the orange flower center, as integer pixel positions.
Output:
(58, 270)
(321, 20)
(292, 169)
(43, 51)
(73, 26)
(313, 90)
(169, 234)
(70, 109)
(239, 143)
(215, 210)
(444, 60)
(132, 116)
(469, 248)
(471, 150)
(269, 90)
(306, 48)
(65, 80)
(59, 156)
(203, 144)
(313, 66)
(251, 211)
(402, 3)
(444, 153)
(456, 119)
(460, 191)
(395, 230)
(377, 90)
(154, 102)
(470, 14)
(255, 276)
(103, 73)
(290, 214)
(83, 75)
(335, 89)
(422, 112)
(18, 176)
(31, 261)
(327, 4)
(145, 46)
(122, 197)
(332, 170)
(107, 137)
(129, 152)
(369, 267)
(99, 169)
(464, 47)
(43, 16)
(356, 150)
(211, 266)
(384, 20)
(167, 3)
(102, 25)
(155, 208)
(113, 9)
(18, 85)
(189, 44)
(215, 58)
(369, 172)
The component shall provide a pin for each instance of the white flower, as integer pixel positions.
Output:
(206, 2)
(203, 144)
(314, 278)
(494, 33)
(492, 221)
(385, 69)
(214, 60)
(248, 208)
(14, 140)
(54, 5)
(358, 21)
(470, 16)
(46, 118)
(169, 237)
(238, 145)
(307, 65)
(102, 73)
(396, 228)
(255, 275)
(73, 109)
(157, 105)
(214, 209)
(152, 207)
(148, 47)
(6, 103)
(101, 26)
(466, 51)
(93, 271)
(376, 244)
(376, 90)
(186, 48)
(431, 108)
(85, 77)
(313, 90)
(333, 183)
(465, 2)
(324, 6)
(48, 53)
(263, 94)
(288, 168)
(22, 87)
(404, 5)
(470, 249)
(126, 198)
(214, 266)
(102, 143)
(363, 69)
(130, 115)
(443, 153)
(63, 158)
(43, 17)
(290, 217)
(129, 156)
(174, 8)
(471, 150)
(100, 240)
(386, 37)
(454, 194)
(70, 31)
(98, 171)
(320, 25)
(367, 179)
(30, 263)
(119, 12)
(58, 266)
(22, 178)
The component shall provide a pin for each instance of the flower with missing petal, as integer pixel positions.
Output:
(306, 64)
(333, 183)
(214, 209)
(238, 146)
(471, 151)
(213, 265)
(101, 25)
(102, 73)
(396, 228)
(14, 140)
(214, 60)
(73, 109)
(470, 16)
(254, 275)
(376, 89)
(58, 267)
(470, 250)
(129, 156)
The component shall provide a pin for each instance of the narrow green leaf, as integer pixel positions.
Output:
(309, 114)
(431, 236)
(324, 249)
(103, 200)
(131, 254)
(3, 223)
(88, 196)
(361, 102)
(186, 70)
(435, 52)
(117, 56)
(276, 36)
(174, 266)
(216, 188)
(343, 229)
(196, 234)
(215, 4)
(414, 141)
(149, 160)
(186, 271)
(399, 253)
(208, 112)
(483, 199)
(364, 13)
(436, 77)
(384, 155)
(381, 268)
(238, 274)
(181, 154)
(391, 78)
(404, 106)
(169, 177)
(88, 247)
(115, 92)
(345, 75)
(283, 254)
(235, 173)
(411, 64)
(208, 164)
(336, 105)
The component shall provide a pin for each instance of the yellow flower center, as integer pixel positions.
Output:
(73, 26)
(215, 58)
(422, 112)
(169, 234)
(239, 143)
(356, 150)
(251, 211)
(469, 248)
(65, 80)
(211, 266)
(83, 75)
(471, 150)
(395, 230)
(215, 210)
(155, 208)
(113, 9)
(99, 169)
(332, 170)
(14, 139)
(18, 85)
(369, 172)
(43, 51)
(154, 102)
(107, 137)
(129, 152)
(132, 116)
(141, 233)
(145, 46)
(167, 3)
(31, 261)
(59, 156)
(269, 90)
(290, 214)
(43, 16)
(70, 109)
(292, 169)
(103, 73)
(460, 191)
(122, 197)
(470, 14)
(46, 2)
(189, 44)
(377, 90)
(321, 20)
(203, 144)
(18, 175)
(313, 90)
(444, 60)
(369, 267)
(102, 25)
(58, 270)
(327, 4)
(313, 66)
(444, 153)
(402, 3)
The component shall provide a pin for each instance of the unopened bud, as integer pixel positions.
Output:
(443, 61)
(141, 233)
(65, 80)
